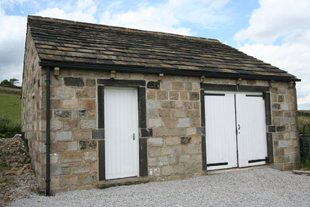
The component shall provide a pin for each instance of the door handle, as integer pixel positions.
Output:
(134, 136)
(238, 126)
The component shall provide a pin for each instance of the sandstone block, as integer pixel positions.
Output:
(154, 171)
(155, 151)
(87, 179)
(71, 124)
(69, 104)
(85, 93)
(65, 92)
(62, 114)
(151, 95)
(155, 141)
(184, 95)
(64, 136)
(70, 157)
(67, 180)
(81, 135)
(72, 146)
(166, 151)
(282, 143)
(79, 168)
(153, 104)
(193, 96)
(188, 86)
(177, 150)
(168, 104)
(169, 122)
(179, 169)
(164, 112)
(69, 81)
(162, 161)
(88, 144)
(88, 104)
(284, 106)
(153, 162)
(165, 85)
(158, 132)
(183, 122)
(174, 95)
(90, 82)
(167, 170)
(55, 125)
(90, 156)
(179, 86)
(192, 149)
(80, 114)
(177, 132)
(155, 123)
(162, 95)
(172, 141)
(184, 159)
(88, 124)
(173, 160)
(153, 113)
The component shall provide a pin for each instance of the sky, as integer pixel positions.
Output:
(275, 31)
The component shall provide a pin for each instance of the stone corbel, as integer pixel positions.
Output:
(239, 81)
(202, 79)
(291, 84)
(160, 77)
(56, 72)
(113, 74)
(271, 83)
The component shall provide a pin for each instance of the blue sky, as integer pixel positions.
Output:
(275, 31)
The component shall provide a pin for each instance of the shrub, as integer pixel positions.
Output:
(9, 128)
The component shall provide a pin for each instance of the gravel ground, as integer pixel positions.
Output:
(260, 187)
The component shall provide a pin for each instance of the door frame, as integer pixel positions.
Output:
(98, 134)
(238, 88)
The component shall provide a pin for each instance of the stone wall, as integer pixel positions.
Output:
(32, 105)
(285, 126)
(173, 114)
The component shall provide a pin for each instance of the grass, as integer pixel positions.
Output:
(10, 90)
(303, 120)
(10, 106)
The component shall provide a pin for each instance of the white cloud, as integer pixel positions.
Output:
(82, 10)
(12, 44)
(292, 58)
(61, 14)
(276, 18)
(286, 21)
(168, 17)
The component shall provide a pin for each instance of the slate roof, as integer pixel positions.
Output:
(70, 44)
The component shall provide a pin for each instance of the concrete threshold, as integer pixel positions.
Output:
(122, 181)
(215, 172)
(301, 172)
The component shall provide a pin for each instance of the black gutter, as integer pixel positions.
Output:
(48, 141)
(208, 72)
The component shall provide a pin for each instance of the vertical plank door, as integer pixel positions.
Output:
(251, 125)
(220, 130)
(121, 132)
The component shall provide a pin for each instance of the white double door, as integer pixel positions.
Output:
(235, 129)
(121, 132)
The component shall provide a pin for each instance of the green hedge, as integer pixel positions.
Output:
(9, 128)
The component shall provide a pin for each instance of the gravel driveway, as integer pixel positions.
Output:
(259, 187)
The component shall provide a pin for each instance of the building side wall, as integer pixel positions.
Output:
(285, 130)
(173, 113)
(32, 104)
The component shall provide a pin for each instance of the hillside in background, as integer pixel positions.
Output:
(10, 103)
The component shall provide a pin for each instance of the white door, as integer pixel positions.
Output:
(251, 125)
(235, 129)
(220, 130)
(121, 132)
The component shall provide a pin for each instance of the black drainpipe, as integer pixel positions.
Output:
(48, 141)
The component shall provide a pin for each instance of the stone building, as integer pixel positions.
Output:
(106, 105)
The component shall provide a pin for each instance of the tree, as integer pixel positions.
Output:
(13, 81)
(10, 82)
